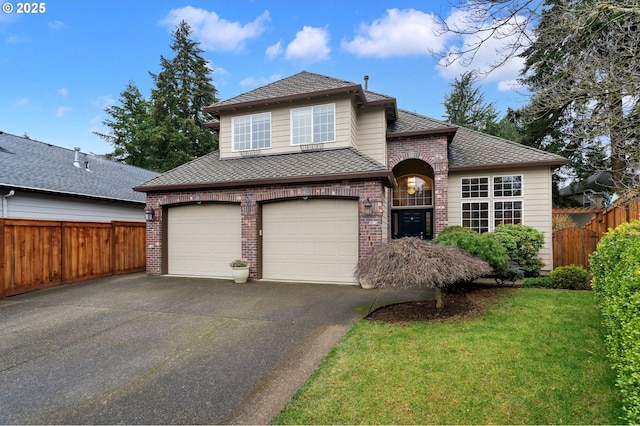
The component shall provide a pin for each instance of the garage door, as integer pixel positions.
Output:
(203, 239)
(310, 240)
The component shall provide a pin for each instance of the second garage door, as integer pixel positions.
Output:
(203, 239)
(310, 240)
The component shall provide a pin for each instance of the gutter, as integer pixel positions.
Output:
(5, 202)
(386, 176)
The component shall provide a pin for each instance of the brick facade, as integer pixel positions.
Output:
(250, 199)
(432, 151)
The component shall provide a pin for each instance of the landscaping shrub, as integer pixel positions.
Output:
(571, 277)
(455, 229)
(523, 244)
(483, 246)
(561, 221)
(544, 282)
(615, 267)
(412, 262)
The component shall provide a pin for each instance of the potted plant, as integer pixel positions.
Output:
(239, 271)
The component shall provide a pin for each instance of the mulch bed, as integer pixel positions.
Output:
(456, 305)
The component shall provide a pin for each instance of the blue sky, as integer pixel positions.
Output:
(59, 69)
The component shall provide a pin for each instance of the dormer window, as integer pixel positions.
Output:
(315, 124)
(251, 132)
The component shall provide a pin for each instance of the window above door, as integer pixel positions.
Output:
(413, 190)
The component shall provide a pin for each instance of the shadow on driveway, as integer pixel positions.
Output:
(135, 349)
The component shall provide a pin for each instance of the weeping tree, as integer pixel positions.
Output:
(412, 262)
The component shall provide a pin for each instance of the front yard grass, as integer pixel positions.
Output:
(535, 356)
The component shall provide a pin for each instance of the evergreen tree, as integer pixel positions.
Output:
(465, 106)
(168, 129)
(182, 89)
(131, 129)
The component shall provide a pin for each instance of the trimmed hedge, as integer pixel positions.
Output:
(615, 267)
(523, 244)
(572, 277)
(480, 245)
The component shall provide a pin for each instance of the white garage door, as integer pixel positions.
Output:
(203, 239)
(310, 240)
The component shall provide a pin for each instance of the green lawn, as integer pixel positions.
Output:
(535, 357)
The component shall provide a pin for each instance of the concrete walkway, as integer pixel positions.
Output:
(165, 350)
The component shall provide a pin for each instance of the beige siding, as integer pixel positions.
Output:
(372, 126)
(537, 201)
(281, 127)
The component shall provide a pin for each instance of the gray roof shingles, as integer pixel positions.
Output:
(468, 149)
(210, 169)
(30, 164)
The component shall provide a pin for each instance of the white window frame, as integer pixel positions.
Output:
(491, 199)
(493, 186)
(462, 189)
(252, 145)
(478, 228)
(311, 125)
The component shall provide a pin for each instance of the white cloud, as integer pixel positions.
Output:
(22, 102)
(62, 111)
(400, 32)
(63, 92)
(56, 25)
(310, 45)
(274, 50)
(14, 39)
(214, 32)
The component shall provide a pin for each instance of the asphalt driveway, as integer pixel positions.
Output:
(165, 350)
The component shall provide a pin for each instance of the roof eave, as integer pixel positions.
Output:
(549, 163)
(449, 131)
(386, 176)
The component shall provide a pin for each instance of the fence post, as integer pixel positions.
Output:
(3, 265)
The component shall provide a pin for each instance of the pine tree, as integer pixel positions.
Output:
(182, 89)
(131, 129)
(465, 106)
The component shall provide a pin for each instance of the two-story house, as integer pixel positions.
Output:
(314, 172)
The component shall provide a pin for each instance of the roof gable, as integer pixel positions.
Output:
(304, 85)
(33, 165)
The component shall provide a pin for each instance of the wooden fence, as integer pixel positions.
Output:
(37, 254)
(572, 246)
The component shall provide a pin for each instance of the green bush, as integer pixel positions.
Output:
(480, 245)
(523, 244)
(456, 228)
(571, 277)
(544, 282)
(615, 267)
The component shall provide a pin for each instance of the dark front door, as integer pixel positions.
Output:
(412, 223)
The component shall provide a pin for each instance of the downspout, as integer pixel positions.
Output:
(5, 202)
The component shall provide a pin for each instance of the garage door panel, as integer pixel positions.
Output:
(310, 240)
(203, 239)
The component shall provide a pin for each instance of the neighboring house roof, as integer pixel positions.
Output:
(37, 166)
(210, 171)
(600, 182)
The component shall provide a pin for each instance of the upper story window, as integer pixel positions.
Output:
(315, 124)
(475, 187)
(413, 190)
(507, 186)
(251, 131)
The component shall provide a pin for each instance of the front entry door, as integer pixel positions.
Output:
(412, 223)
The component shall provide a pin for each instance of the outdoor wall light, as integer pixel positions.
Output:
(367, 206)
(148, 214)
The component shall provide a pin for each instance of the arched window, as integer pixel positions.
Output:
(413, 190)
